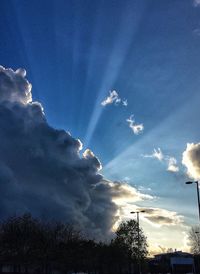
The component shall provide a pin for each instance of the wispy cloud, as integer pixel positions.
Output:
(196, 31)
(155, 216)
(136, 128)
(114, 98)
(172, 165)
(169, 160)
(157, 154)
(125, 102)
(196, 3)
(160, 217)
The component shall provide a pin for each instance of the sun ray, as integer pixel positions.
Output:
(126, 34)
(160, 132)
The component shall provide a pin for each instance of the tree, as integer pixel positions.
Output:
(19, 240)
(132, 242)
(28, 243)
(194, 239)
(127, 237)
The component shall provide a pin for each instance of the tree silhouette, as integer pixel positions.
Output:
(194, 239)
(127, 238)
(132, 243)
(32, 245)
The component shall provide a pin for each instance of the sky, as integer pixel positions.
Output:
(122, 77)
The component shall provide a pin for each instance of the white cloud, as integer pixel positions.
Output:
(14, 86)
(196, 3)
(114, 98)
(125, 103)
(191, 159)
(136, 128)
(157, 154)
(172, 165)
(170, 161)
(143, 188)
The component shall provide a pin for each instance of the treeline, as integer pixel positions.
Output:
(29, 245)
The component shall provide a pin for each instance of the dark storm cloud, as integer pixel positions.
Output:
(41, 170)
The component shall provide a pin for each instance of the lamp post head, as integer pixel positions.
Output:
(189, 183)
(141, 211)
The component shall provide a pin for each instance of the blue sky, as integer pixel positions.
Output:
(75, 52)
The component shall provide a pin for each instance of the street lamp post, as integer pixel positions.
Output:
(138, 236)
(197, 184)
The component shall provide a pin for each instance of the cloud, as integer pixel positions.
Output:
(157, 154)
(136, 128)
(114, 98)
(125, 196)
(14, 87)
(191, 159)
(170, 161)
(124, 193)
(157, 217)
(196, 31)
(42, 170)
(125, 103)
(196, 3)
(162, 217)
(172, 165)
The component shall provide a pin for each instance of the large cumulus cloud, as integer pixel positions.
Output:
(14, 86)
(41, 169)
(191, 159)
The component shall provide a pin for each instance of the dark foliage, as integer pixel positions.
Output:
(194, 240)
(31, 245)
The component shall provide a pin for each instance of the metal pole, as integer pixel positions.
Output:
(197, 183)
(138, 239)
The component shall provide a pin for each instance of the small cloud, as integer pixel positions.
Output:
(125, 103)
(114, 98)
(170, 161)
(143, 188)
(196, 31)
(196, 3)
(172, 165)
(157, 154)
(136, 128)
(126, 179)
